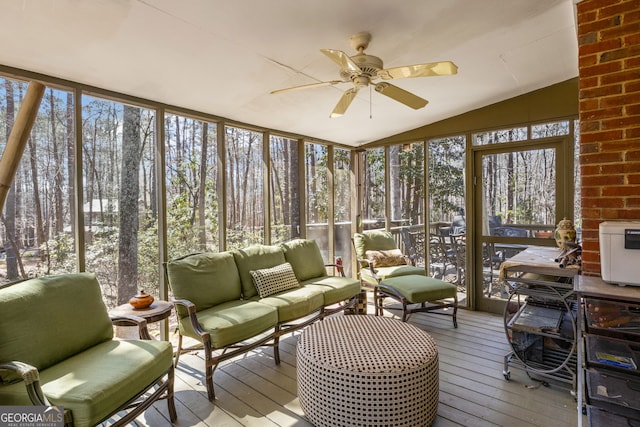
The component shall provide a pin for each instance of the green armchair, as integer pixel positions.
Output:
(57, 349)
(383, 267)
(373, 245)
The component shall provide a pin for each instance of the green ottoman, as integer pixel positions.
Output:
(417, 289)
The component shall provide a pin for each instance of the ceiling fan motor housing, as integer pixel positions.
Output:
(368, 64)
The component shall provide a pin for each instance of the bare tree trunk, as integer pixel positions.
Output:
(293, 204)
(510, 188)
(70, 162)
(9, 218)
(416, 200)
(202, 186)
(245, 183)
(128, 206)
(286, 191)
(312, 193)
(36, 196)
(57, 167)
(394, 181)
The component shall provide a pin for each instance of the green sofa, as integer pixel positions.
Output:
(57, 349)
(218, 303)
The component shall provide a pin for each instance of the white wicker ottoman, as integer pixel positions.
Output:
(367, 371)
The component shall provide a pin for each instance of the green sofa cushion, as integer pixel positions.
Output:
(388, 272)
(295, 303)
(305, 258)
(205, 279)
(232, 322)
(418, 289)
(334, 288)
(374, 240)
(96, 382)
(69, 305)
(256, 257)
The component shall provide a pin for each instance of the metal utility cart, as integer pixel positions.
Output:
(540, 315)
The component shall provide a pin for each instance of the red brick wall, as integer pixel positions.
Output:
(609, 64)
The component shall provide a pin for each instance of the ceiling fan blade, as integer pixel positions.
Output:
(329, 83)
(401, 95)
(342, 59)
(345, 101)
(445, 68)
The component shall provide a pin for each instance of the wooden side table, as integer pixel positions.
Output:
(156, 312)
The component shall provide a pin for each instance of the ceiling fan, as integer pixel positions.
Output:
(362, 70)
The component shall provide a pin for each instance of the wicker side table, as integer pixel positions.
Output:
(368, 371)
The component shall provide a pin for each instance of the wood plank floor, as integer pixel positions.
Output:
(252, 391)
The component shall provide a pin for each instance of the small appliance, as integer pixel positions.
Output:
(620, 252)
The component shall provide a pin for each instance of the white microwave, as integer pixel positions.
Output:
(620, 252)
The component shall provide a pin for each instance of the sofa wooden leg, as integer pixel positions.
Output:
(178, 351)
(276, 348)
(210, 365)
(455, 312)
(171, 406)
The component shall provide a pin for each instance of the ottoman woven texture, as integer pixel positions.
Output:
(367, 371)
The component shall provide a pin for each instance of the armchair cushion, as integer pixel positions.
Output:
(205, 279)
(386, 258)
(99, 379)
(52, 301)
(373, 240)
(305, 258)
(269, 281)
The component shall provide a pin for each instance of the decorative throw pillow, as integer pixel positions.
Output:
(387, 258)
(269, 281)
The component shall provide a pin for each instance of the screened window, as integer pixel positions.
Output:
(446, 178)
(342, 206)
(373, 189)
(546, 130)
(500, 136)
(37, 227)
(285, 194)
(191, 183)
(406, 170)
(245, 206)
(119, 197)
(317, 195)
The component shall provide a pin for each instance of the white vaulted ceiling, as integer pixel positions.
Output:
(224, 57)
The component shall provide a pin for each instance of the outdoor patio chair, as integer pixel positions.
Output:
(414, 244)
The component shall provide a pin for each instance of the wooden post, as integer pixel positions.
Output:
(18, 138)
